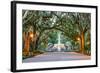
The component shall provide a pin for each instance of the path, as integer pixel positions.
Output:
(57, 56)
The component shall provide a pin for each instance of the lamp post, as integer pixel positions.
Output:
(78, 39)
(31, 35)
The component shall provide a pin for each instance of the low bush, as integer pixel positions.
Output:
(31, 54)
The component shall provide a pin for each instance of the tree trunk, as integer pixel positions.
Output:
(36, 43)
(82, 43)
(38, 40)
(26, 45)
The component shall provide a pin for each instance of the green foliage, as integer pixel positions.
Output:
(52, 37)
(48, 23)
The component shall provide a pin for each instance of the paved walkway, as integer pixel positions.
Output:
(57, 56)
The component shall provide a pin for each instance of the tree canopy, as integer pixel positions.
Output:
(45, 25)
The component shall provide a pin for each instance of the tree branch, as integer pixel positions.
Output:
(28, 19)
(25, 14)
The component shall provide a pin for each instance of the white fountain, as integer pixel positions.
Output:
(59, 45)
(59, 49)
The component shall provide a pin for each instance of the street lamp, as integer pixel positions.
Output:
(79, 42)
(31, 35)
(78, 39)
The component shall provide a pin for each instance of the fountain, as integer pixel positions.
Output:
(59, 49)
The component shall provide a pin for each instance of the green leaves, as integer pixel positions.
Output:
(48, 23)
